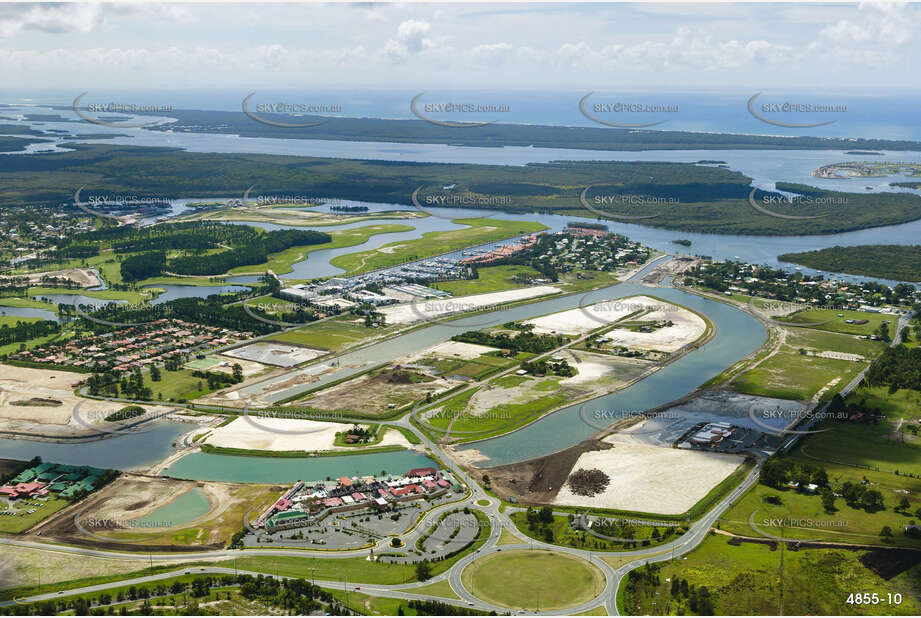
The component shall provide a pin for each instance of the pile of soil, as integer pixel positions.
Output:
(38, 402)
(588, 482)
(397, 376)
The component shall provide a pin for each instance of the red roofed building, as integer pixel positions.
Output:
(344, 481)
(421, 472)
(332, 502)
(21, 490)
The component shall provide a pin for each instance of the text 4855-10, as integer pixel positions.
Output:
(873, 598)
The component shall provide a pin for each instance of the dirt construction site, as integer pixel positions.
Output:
(132, 497)
(379, 392)
(643, 477)
(43, 400)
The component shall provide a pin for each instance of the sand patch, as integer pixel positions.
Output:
(584, 319)
(288, 434)
(651, 479)
(686, 327)
(433, 308)
(452, 349)
(390, 249)
(38, 387)
(273, 353)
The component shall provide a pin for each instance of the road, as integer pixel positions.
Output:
(490, 508)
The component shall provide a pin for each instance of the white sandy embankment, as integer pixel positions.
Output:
(288, 434)
(651, 479)
(686, 328)
(584, 319)
(451, 349)
(437, 307)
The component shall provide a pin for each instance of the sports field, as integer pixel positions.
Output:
(533, 579)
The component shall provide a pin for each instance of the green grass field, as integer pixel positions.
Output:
(281, 262)
(564, 534)
(434, 243)
(877, 446)
(332, 334)
(792, 375)
(805, 518)
(491, 279)
(745, 580)
(834, 320)
(14, 524)
(523, 579)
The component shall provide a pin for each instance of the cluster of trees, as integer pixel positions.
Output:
(897, 262)
(699, 600)
(860, 496)
(777, 471)
(290, 596)
(254, 251)
(243, 246)
(786, 286)
(522, 342)
(219, 379)
(23, 331)
(221, 310)
(437, 608)
(539, 522)
(143, 265)
(545, 367)
(897, 367)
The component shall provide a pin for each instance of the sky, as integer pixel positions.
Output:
(854, 48)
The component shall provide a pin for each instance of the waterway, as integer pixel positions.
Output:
(737, 335)
(135, 451)
(238, 469)
(190, 505)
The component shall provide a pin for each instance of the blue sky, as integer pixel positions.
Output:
(706, 47)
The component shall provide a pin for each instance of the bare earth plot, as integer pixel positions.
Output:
(287, 434)
(278, 354)
(651, 479)
(32, 398)
(591, 317)
(687, 327)
(109, 512)
(378, 392)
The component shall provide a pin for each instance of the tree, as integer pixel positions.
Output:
(904, 505)
(155, 373)
(886, 531)
(423, 570)
(237, 372)
(828, 502)
(546, 515)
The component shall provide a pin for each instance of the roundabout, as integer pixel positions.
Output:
(533, 580)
